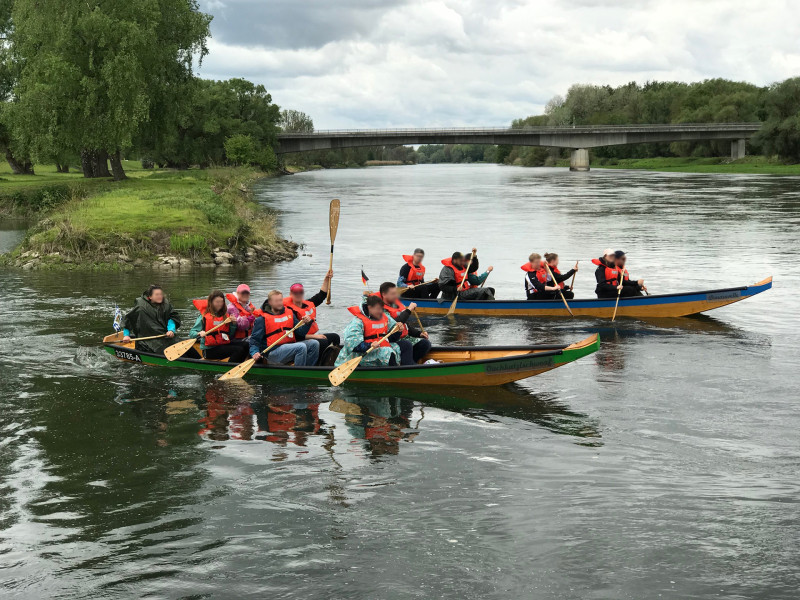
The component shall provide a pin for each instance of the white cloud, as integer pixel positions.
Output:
(369, 63)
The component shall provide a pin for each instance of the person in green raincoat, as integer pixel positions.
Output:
(152, 314)
(364, 332)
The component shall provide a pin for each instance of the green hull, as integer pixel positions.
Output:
(490, 371)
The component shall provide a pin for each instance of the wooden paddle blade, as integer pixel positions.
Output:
(238, 371)
(175, 351)
(453, 306)
(340, 374)
(334, 218)
(114, 337)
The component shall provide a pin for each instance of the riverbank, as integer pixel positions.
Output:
(160, 218)
(748, 164)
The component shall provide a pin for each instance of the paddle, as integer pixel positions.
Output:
(487, 277)
(419, 321)
(241, 369)
(333, 218)
(555, 283)
(572, 283)
(150, 337)
(619, 291)
(340, 374)
(402, 290)
(461, 285)
(175, 351)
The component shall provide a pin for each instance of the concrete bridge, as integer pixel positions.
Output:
(579, 139)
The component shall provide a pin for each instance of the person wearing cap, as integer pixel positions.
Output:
(274, 326)
(616, 280)
(451, 276)
(240, 309)
(297, 303)
(412, 277)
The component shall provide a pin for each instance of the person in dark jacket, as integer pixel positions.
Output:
(294, 348)
(450, 279)
(616, 278)
(412, 277)
(300, 306)
(551, 258)
(152, 314)
(473, 278)
(414, 343)
(604, 289)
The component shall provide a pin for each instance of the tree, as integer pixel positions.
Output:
(240, 149)
(94, 72)
(294, 121)
(780, 133)
(18, 161)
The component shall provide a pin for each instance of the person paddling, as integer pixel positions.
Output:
(604, 289)
(412, 276)
(413, 342)
(536, 286)
(473, 278)
(452, 274)
(617, 282)
(241, 309)
(297, 303)
(222, 342)
(152, 314)
(272, 322)
(551, 258)
(369, 325)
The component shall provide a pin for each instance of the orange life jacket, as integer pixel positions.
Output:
(307, 309)
(373, 330)
(448, 262)
(244, 311)
(393, 312)
(200, 304)
(417, 273)
(612, 275)
(276, 325)
(222, 335)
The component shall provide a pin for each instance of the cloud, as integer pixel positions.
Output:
(373, 63)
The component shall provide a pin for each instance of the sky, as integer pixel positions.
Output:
(431, 63)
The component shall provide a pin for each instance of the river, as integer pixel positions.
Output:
(664, 465)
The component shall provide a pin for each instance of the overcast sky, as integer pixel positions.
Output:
(417, 63)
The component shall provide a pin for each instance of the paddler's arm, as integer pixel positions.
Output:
(404, 272)
(258, 339)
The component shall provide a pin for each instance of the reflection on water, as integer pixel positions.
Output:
(664, 464)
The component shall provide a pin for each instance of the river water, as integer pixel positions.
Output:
(665, 465)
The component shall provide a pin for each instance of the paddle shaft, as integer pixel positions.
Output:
(278, 341)
(150, 337)
(420, 322)
(401, 290)
(572, 283)
(558, 287)
(619, 292)
(394, 330)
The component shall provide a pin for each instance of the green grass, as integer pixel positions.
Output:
(749, 164)
(182, 213)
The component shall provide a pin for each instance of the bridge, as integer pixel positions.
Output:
(579, 139)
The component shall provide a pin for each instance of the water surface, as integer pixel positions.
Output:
(665, 464)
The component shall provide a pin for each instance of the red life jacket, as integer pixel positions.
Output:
(417, 273)
(200, 304)
(276, 325)
(307, 309)
(222, 335)
(612, 275)
(393, 312)
(540, 273)
(244, 311)
(555, 272)
(373, 330)
(448, 262)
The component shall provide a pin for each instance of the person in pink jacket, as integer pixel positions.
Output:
(240, 308)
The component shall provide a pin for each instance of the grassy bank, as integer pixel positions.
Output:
(161, 217)
(749, 164)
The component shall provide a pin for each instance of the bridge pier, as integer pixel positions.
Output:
(737, 149)
(579, 160)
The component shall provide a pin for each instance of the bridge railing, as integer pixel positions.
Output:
(750, 126)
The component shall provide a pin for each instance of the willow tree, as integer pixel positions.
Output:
(93, 72)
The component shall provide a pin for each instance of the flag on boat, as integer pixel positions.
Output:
(364, 278)
(117, 318)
